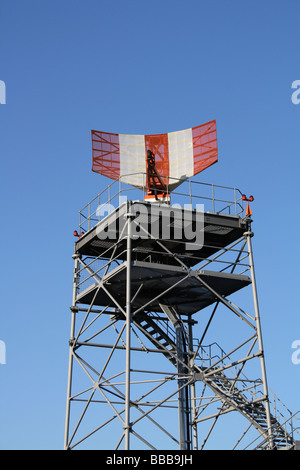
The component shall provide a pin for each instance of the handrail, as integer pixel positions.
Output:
(284, 417)
(216, 199)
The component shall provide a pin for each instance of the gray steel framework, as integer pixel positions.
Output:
(145, 366)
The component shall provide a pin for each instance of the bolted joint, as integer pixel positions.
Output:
(74, 309)
(129, 427)
(129, 214)
(248, 234)
(71, 342)
(198, 376)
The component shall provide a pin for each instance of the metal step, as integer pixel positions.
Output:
(158, 337)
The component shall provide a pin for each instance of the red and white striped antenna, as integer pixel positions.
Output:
(156, 163)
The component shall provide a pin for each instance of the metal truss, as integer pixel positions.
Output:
(145, 375)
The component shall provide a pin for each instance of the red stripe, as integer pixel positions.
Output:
(106, 154)
(204, 146)
(159, 145)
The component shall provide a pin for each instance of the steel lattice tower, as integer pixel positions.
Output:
(150, 309)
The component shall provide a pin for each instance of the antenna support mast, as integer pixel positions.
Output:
(155, 183)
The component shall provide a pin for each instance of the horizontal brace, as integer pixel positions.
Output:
(100, 345)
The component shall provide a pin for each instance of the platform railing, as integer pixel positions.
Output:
(214, 198)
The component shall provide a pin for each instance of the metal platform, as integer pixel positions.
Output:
(153, 284)
(219, 231)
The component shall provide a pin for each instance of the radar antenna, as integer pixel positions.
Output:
(159, 163)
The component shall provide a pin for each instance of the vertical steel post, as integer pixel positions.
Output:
(235, 202)
(72, 335)
(190, 187)
(213, 197)
(182, 402)
(127, 426)
(193, 387)
(183, 389)
(249, 234)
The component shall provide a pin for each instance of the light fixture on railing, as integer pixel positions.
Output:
(248, 210)
(75, 233)
(245, 198)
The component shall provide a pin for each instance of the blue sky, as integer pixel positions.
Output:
(136, 67)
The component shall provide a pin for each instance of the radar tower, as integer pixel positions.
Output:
(166, 347)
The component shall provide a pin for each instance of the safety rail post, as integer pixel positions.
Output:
(98, 206)
(190, 188)
(235, 202)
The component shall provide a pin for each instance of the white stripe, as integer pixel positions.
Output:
(181, 155)
(132, 159)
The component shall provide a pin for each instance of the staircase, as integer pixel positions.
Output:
(254, 410)
(160, 332)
